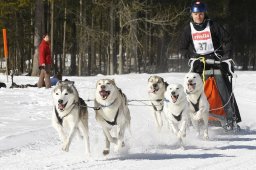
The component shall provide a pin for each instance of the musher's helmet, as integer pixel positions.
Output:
(198, 7)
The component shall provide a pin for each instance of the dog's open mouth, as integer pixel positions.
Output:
(191, 86)
(174, 98)
(62, 106)
(153, 90)
(104, 94)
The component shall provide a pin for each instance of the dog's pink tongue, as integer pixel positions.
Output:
(61, 106)
(174, 99)
(151, 90)
(103, 93)
(190, 87)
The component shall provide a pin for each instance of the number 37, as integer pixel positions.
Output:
(202, 46)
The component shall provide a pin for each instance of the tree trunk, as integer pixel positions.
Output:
(39, 26)
(120, 63)
(52, 28)
(111, 43)
(62, 65)
(73, 51)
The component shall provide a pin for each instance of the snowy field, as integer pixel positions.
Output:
(28, 141)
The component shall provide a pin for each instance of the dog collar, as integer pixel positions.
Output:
(102, 106)
(166, 100)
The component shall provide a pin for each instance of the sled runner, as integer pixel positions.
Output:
(217, 77)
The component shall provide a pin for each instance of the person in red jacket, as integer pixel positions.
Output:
(45, 62)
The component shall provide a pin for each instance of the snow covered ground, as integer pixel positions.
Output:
(28, 141)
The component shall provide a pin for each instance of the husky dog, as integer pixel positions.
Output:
(198, 104)
(70, 114)
(156, 89)
(112, 112)
(176, 110)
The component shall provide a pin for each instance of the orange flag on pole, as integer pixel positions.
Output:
(5, 43)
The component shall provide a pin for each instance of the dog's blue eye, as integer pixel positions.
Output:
(57, 93)
(108, 83)
(66, 93)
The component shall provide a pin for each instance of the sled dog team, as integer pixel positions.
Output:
(181, 105)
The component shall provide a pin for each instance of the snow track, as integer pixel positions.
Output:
(28, 141)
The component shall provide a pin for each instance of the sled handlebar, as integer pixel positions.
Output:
(229, 62)
(212, 61)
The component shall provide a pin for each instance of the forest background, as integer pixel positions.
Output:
(90, 37)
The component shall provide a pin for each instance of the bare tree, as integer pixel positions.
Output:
(39, 26)
(111, 41)
(62, 66)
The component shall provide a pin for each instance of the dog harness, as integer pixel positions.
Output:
(158, 100)
(102, 106)
(60, 120)
(178, 118)
(114, 122)
(196, 106)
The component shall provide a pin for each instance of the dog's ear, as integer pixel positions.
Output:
(149, 78)
(70, 83)
(97, 82)
(166, 85)
(113, 81)
(162, 79)
(59, 82)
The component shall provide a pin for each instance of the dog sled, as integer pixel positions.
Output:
(218, 86)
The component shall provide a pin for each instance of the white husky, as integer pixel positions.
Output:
(70, 112)
(198, 104)
(156, 89)
(112, 111)
(176, 109)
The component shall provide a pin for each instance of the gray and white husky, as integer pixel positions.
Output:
(112, 114)
(156, 89)
(70, 114)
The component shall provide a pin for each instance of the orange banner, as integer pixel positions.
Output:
(5, 43)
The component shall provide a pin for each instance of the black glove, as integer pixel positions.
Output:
(227, 68)
(197, 67)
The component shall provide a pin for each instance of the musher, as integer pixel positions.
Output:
(209, 47)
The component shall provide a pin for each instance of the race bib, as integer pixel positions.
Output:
(202, 40)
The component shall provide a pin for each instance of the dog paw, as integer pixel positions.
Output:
(181, 134)
(65, 148)
(88, 156)
(105, 152)
(206, 137)
(182, 148)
